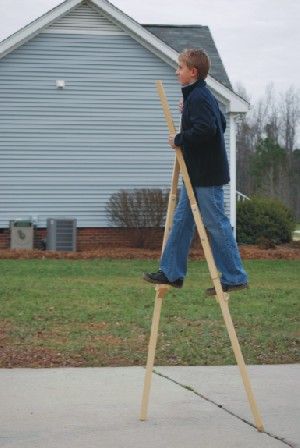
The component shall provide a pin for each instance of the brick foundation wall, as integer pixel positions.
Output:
(91, 238)
(4, 238)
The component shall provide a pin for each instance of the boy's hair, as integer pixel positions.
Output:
(196, 58)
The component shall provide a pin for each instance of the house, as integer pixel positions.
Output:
(80, 117)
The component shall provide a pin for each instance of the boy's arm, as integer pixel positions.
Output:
(203, 123)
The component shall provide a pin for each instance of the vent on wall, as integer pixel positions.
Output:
(61, 234)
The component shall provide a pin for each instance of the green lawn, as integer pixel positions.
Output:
(98, 313)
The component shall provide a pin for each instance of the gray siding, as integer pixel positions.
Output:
(64, 152)
(85, 18)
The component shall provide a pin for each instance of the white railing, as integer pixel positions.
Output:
(240, 197)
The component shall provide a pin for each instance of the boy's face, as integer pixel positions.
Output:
(185, 74)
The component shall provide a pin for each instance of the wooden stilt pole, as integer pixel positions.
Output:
(160, 294)
(240, 361)
(172, 202)
(161, 291)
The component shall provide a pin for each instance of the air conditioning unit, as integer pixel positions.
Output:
(61, 234)
(21, 234)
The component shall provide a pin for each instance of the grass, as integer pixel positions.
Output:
(98, 313)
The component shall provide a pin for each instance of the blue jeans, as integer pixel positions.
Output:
(173, 262)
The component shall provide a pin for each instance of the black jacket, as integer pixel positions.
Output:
(201, 137)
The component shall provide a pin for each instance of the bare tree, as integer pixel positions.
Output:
(290, 115)
(272, 115)
(275, 118)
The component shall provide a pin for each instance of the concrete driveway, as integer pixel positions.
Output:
(99, 407)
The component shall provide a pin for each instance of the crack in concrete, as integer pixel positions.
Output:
(220, 406)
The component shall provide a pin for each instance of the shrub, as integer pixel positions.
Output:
(264, 218)
(138, 209)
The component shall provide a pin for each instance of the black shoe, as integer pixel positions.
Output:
(227, 288)
(159, 278)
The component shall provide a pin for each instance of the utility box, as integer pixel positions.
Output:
(21, 234)
(61, 234)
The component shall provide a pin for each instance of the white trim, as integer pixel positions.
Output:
(147, 39)
(232, 169)
(35, 27)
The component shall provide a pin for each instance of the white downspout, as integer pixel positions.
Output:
(232, 170)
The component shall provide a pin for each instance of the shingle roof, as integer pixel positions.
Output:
(180, 37)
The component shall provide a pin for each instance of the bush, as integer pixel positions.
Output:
(138, 209)
(264, 219)
(142, 207)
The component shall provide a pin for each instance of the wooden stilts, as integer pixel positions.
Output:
(160, 294)
(221, 297)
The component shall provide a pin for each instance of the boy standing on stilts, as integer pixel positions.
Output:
(202, 142)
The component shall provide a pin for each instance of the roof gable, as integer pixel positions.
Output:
(234, 102)
(86, 18)
(180, 37)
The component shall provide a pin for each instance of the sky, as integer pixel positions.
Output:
(258, 40)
